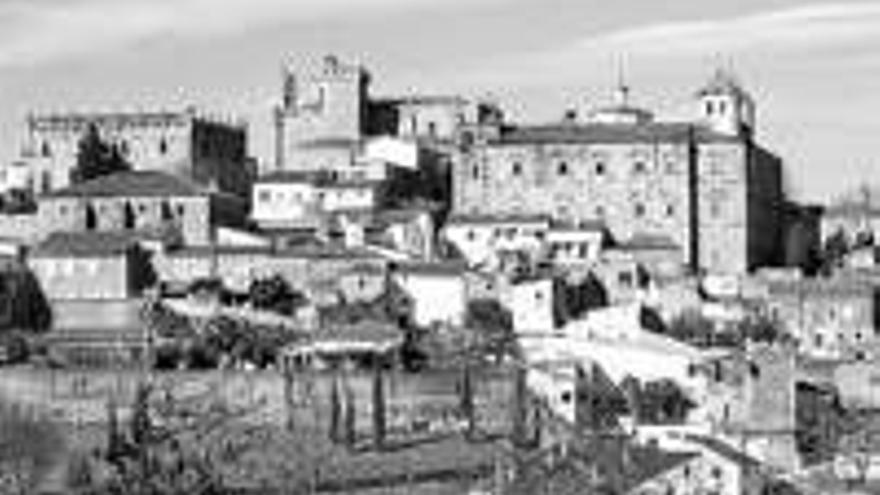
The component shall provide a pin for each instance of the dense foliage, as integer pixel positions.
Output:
(96, 158)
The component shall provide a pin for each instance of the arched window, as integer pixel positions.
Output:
(163, 146)
(46, 150)
(517, 169)
(710, 107)
(562, 168)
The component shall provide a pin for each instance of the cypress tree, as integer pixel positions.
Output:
(378, 408)
(350, 420)
(335, 411)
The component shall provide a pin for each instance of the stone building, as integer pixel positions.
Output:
(141, 200)
(830, 318)
(707, 184)
(90, 266)
(201, 148)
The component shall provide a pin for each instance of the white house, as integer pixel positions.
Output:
(480, 238)
(294, 199)
(531, 305)
(438, 290)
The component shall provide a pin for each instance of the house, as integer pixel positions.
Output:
(91, 266)
(578, 243)
(142, 200)
(530, 302)
(438, 290)
(346, 344)
(481, 238)
(830, 318)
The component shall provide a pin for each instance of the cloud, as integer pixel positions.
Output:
(38, 31)
(816, 26)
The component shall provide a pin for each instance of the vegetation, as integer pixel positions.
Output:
(96, 158)
(693, 328)
(573, 300)
(28, 445)
(834, 251)
(275, 294)
(656, 402)
(492, 325)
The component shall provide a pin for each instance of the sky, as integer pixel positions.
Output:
(813, 66)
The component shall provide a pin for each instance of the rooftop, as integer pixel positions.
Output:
(464, 218)
(722, 82)
(85, 244)
(609, 133)
(437, 269)
(138, 183)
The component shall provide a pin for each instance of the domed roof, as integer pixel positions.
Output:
(722, 83)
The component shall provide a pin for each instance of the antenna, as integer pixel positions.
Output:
(622, 88)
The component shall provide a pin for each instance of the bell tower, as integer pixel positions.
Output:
(725, 107)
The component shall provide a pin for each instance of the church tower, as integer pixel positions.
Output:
(725, 107)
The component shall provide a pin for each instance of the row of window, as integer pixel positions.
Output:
(124, 148)
(563, 169)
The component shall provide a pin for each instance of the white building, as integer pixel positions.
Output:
(439, 292)
(481, 238)
(291, 199)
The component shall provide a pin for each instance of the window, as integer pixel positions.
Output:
(562, 168)
(722, 107)
(46, 150)
(264, 196)
(163, 146)
(166, 211)
(128, 217)
(670, 210)
(639, 167)
(671, 166)
(91, 218)
(625, 279)
(432, 129)
(716, 472)
(817, 340)
(124, 148)
(475, 172)
(600, 211)
(583, 250)
(715, 209)
(180, 210)
(639, 210)
(600, 168)
(47, 181)
(710, 108)
(471, 235)
(566, 397)
(517, 169)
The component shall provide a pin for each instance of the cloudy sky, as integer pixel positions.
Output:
(813, 65)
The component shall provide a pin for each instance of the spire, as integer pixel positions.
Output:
(622, 91)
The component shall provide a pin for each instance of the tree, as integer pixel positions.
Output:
(335, 412)
(378, 408)
(693, 328)
(96, 158)
(834, 250)
(275, 294)
(493, 325)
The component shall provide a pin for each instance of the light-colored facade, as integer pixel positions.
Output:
(87, 266)
(829, 318)
(480, 238)
(204, 149)
(141, 200)
(304, 200)
(706, 184)
(439, 292)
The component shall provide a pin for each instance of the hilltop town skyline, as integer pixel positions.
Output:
(537, 60)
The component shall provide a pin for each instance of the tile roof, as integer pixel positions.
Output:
(138, 183)
(85, 244)
(645, 241)
(602, 133)
(438, 269)
(724, 450)
(464, 218)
